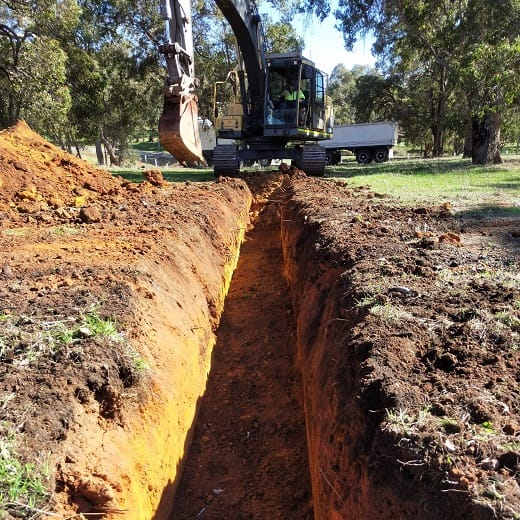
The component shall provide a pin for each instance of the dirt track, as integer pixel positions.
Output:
(406, 330)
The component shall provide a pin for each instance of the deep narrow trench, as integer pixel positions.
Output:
(248, 458)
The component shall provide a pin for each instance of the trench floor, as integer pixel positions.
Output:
(248, 458)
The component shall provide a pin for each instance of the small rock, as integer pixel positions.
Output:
(154, 177)
(90, 215)
(490, 464)
(447, 361)
(450, 238)
(7, 271)
(84, 332)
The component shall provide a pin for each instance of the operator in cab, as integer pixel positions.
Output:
(290, 96)
(288, 102)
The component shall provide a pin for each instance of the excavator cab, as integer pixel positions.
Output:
(296, 104)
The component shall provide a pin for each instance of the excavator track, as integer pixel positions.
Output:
(313, 160)
(179, 130)
(225, 160)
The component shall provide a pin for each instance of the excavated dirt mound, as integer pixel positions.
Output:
(406, 329)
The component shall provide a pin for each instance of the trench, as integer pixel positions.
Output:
(271, 420)
(248, 455)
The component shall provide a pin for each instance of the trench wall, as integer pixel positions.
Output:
(349, 480)
(131, 469)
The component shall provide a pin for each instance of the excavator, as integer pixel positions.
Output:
(280, 109)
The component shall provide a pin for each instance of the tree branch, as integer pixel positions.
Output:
(419, 35)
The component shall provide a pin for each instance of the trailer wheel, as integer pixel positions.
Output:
(381, 155)
(363, 156)
(333, 157)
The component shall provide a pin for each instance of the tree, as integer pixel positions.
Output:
(459, 42)
(374, 98)
(342, 90)
(281, 37)
(489, 77)
(114, 74)
(32, 89)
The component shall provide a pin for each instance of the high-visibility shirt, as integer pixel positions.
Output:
(293, 96)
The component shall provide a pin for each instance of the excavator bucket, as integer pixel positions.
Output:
(179, 129)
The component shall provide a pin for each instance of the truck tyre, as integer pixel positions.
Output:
(381, 155)
(333, 157)
(364, 156)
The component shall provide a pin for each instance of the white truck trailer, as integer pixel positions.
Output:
(367, 141)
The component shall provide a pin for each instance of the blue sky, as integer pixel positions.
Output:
(324, 44)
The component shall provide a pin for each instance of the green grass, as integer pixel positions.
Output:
(47, 337)
(22, 484)
(147, 146)
(492, 189)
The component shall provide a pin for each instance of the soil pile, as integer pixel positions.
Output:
(110, 292)
(35, 175)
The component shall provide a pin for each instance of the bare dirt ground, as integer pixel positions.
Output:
(406, 333)
(425, 371)
(249, 456)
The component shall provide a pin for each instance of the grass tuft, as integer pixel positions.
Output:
(22, 484)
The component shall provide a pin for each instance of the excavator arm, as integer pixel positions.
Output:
(243, 17)
(178, 124)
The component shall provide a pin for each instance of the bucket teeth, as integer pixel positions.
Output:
(179, 130)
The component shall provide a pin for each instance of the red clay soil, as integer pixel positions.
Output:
(248, 458)
(408, 331)
(403, 330)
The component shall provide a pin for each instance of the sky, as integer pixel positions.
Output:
(324, 44)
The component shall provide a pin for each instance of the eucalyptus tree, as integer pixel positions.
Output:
(114, 73)
(32, 63)
(376, 98)
(469, 48)
(342, 91)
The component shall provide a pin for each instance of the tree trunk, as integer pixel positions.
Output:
(78, 151)
(438, 141)
(438, 116)
(468, 140)
(486, 139)
(111, 152)
(99, 153)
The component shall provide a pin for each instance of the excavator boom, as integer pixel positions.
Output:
(178, 124)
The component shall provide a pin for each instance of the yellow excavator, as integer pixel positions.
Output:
(280, 110)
